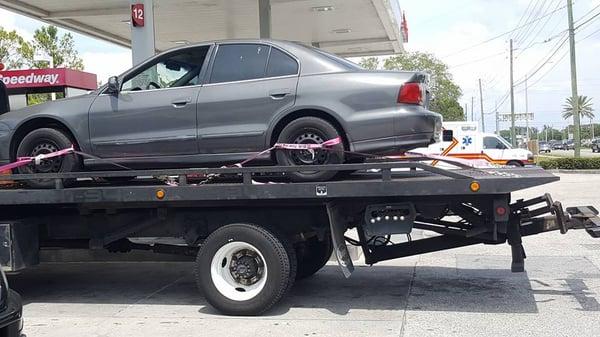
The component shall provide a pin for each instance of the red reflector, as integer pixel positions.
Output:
(410, 93)
(500, 210)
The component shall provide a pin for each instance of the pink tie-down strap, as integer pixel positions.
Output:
(22, 161)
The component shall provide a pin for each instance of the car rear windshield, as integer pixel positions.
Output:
(332, 57)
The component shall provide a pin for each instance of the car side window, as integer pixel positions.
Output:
(492, 143)
(281, 64)
(178, 69)
(239, 62)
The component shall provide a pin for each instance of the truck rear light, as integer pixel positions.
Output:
(410, 93)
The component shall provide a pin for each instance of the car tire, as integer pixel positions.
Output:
(309, 130)
(47, 140)
(312, 255)
(258, 284)
(514, 163)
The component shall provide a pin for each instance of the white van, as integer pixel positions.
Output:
(468, 143)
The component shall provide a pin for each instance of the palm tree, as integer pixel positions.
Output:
(585, 108)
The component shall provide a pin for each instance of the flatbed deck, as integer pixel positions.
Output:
(391, 179)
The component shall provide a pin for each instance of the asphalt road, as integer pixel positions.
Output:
(463, 292)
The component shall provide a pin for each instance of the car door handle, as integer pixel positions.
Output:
(181, 102)
(279, 93)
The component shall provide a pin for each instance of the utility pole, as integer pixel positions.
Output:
(513, 136)
(574, 95)
(497, 120)
(481, 103)
(466, 111)
(546, 133)
(526, 109)
(592, 126)
(472, 103)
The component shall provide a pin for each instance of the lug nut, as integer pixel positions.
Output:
(395, 218)
(378, 218)
(372, 220)
(387, 217)
(402, 218)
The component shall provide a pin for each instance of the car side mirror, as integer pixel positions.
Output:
(113, 85)
(447, 135)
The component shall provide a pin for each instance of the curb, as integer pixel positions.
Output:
(575, 171)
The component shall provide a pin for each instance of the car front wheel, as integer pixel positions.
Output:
(309, 130)
(44, 141)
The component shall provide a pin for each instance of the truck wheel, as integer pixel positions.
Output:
(514, 163)
(42, 141)
(312, 256)
(244, 269)
(309, 130)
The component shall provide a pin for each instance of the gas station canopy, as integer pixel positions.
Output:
(345, 27)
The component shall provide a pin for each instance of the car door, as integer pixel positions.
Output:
(154, 114)
(248, 85)
(494, 148)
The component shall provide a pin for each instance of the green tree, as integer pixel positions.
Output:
(371, 63)
(12, 49)
(445, 92)
(585, 107)
(61, 48)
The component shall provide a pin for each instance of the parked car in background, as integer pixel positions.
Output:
(559, 146)
(218, 103)
(544, 147)
(570, 145)
(11, 310)
(596, 145)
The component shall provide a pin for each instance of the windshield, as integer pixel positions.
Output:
(503, 141)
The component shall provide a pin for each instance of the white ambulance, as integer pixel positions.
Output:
(468, 143)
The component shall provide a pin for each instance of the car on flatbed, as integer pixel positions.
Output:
(217, 103)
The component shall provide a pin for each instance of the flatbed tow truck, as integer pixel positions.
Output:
(253, 235)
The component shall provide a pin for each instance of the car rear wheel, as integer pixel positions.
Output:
(309, 130)
(44, 141)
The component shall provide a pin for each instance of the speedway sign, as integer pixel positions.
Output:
(40, 78)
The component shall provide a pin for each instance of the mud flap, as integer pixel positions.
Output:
(338, 228)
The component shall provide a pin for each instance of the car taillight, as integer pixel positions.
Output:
(410, 93)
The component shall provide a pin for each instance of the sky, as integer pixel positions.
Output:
(454, 31)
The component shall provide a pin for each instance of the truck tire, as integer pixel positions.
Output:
(514, 163)
(309, 130)
(42, 141)
(244, 269)
(312, 256)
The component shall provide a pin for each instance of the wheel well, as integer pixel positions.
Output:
(309, 113)
(34, 124)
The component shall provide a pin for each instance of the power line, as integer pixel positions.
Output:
(500, 35)
(477, 60)
(519, 34)
(530, 29)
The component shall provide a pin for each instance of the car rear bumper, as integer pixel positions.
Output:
(415, 127)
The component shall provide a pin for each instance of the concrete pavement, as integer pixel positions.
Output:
(463, 292)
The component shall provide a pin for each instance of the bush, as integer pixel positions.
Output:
(571, 164)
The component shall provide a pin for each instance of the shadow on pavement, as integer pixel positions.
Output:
(369, 288)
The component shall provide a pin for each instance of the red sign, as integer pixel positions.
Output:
(137, 15)
(56, 77)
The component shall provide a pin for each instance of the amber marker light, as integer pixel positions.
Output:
(474, 186)
(160, 194)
